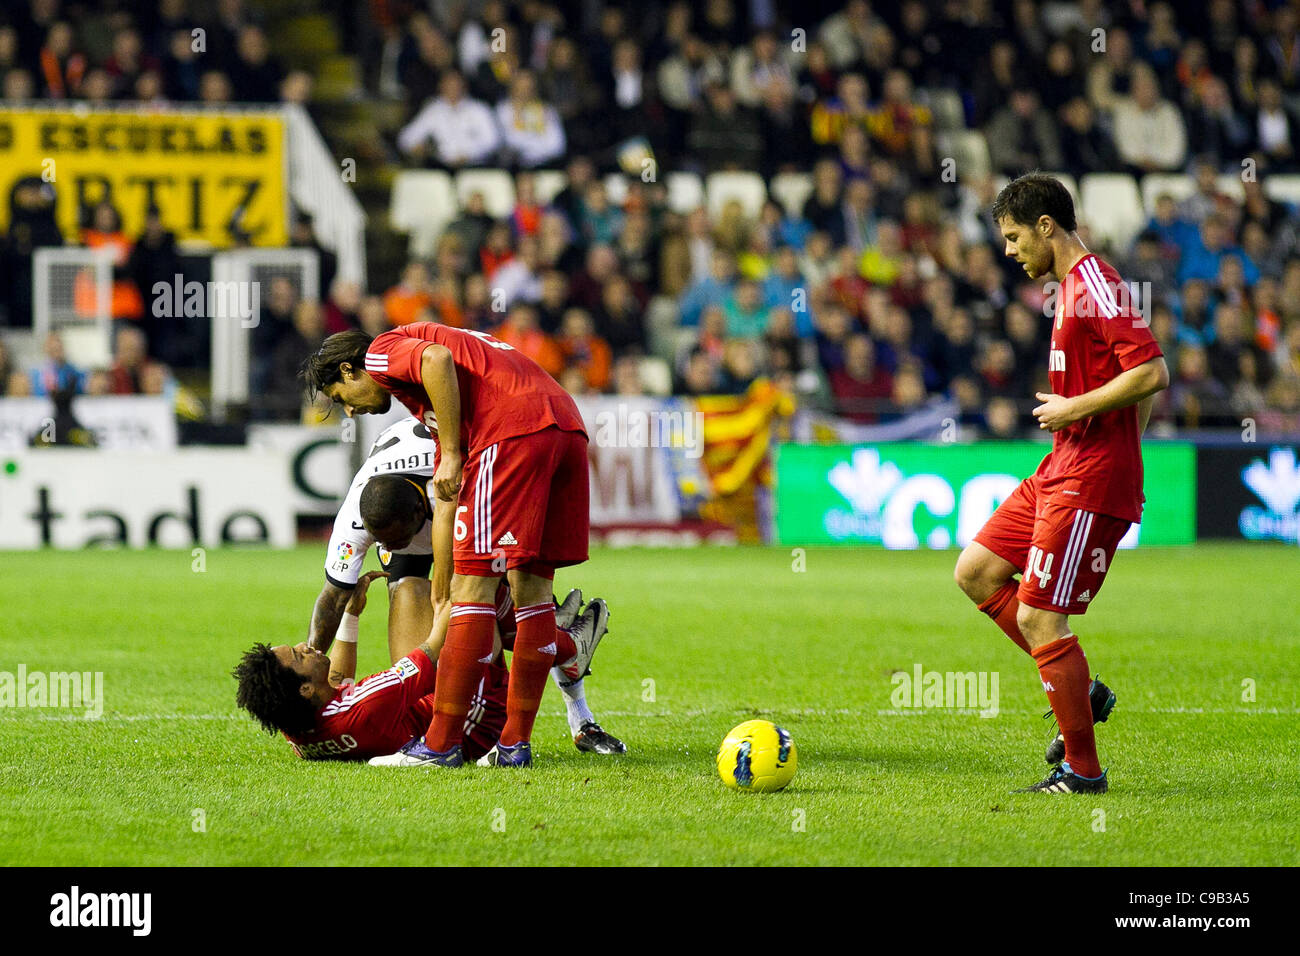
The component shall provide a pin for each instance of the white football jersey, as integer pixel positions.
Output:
(406, 447)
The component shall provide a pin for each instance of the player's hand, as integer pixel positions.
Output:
(357, 602)
(446, 480)
(1055, 413)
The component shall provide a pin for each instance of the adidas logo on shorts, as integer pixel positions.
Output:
(1085, 597)
(506, 538)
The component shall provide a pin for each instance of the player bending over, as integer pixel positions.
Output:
(514, 458)
(405, 456)
(1059, 529)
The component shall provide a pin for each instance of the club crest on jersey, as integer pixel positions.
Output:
(405, 668)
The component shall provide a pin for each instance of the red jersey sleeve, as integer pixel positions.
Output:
(394, 357)
(1116, 318)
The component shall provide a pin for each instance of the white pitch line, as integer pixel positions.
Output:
(841, 712)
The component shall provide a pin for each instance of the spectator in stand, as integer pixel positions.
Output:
(461, 130)
(1022, 137)
(56, 373)
(404, 302)
(745, 310)
(372, 317)
(532, 133)
(526, 217)
(154, 263)
(1195, 398)
(861, 388)
(61, 65)
(724, 135)
(598, 220)
(521, 331)
(472, 225)
(215, 88)
(519, 278)
(257, 75)
(286, 398)
(1086, 147)
(1110, 77)
(181, 71)
(584, 350)
(850, 107)
(714, 290)
(1149, 131)
(105, 232)
(619, 318)
(342, 309)
(1203, 259)
(132, 370)
(901, 127)
(627, 376)
(699, 375)
(1274, 129)
(740, 366)
(497, 250)
(1218, 131)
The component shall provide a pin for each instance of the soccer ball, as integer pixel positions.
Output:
(758, 756)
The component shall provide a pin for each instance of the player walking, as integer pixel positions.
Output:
(514, 457)
(1061, 526)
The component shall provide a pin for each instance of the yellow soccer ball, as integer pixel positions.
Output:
(758, 756)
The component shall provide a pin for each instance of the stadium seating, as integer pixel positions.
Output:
(792, 190)
(749, 188)
(496, 185)
(1283, 188)
(1112, 207)
(549, 183)
(971, 151)
(1154, 185)
(685, 192)
(616, 188)
(423, 202)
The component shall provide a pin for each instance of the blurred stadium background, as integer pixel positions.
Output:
(772, 215)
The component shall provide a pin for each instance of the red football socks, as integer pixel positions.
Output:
(1064, 671)
(537, 642)
(1002, 607)
(460, 668)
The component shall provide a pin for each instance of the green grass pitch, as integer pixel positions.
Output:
(700, 640)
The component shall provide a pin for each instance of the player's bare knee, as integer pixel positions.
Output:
(972, 576)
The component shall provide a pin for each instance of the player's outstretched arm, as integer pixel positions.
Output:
(1126, 388)
(438, 375)
(325, 616)
(343, 661)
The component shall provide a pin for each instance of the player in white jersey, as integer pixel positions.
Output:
(409, 451)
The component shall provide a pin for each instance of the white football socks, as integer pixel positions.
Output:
(575, 701)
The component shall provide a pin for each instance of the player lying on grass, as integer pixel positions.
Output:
(314, 701)
(513, 457)
(404, 455)
(1059, 529)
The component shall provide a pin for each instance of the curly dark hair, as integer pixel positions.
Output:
(272, 692)
(387, 500)
(321, 368)
(1032, 195)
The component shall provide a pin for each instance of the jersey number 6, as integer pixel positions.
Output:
(460, 530)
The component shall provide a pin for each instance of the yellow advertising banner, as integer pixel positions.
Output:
(210, 174)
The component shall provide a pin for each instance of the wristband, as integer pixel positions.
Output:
(349, 627)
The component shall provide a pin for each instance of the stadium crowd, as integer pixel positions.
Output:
(888, 286)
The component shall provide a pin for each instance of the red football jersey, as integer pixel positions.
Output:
(503, 393)
(1097, 333)
(381, 713)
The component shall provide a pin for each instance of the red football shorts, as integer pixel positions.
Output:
(1062, 553)
(524, 503)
